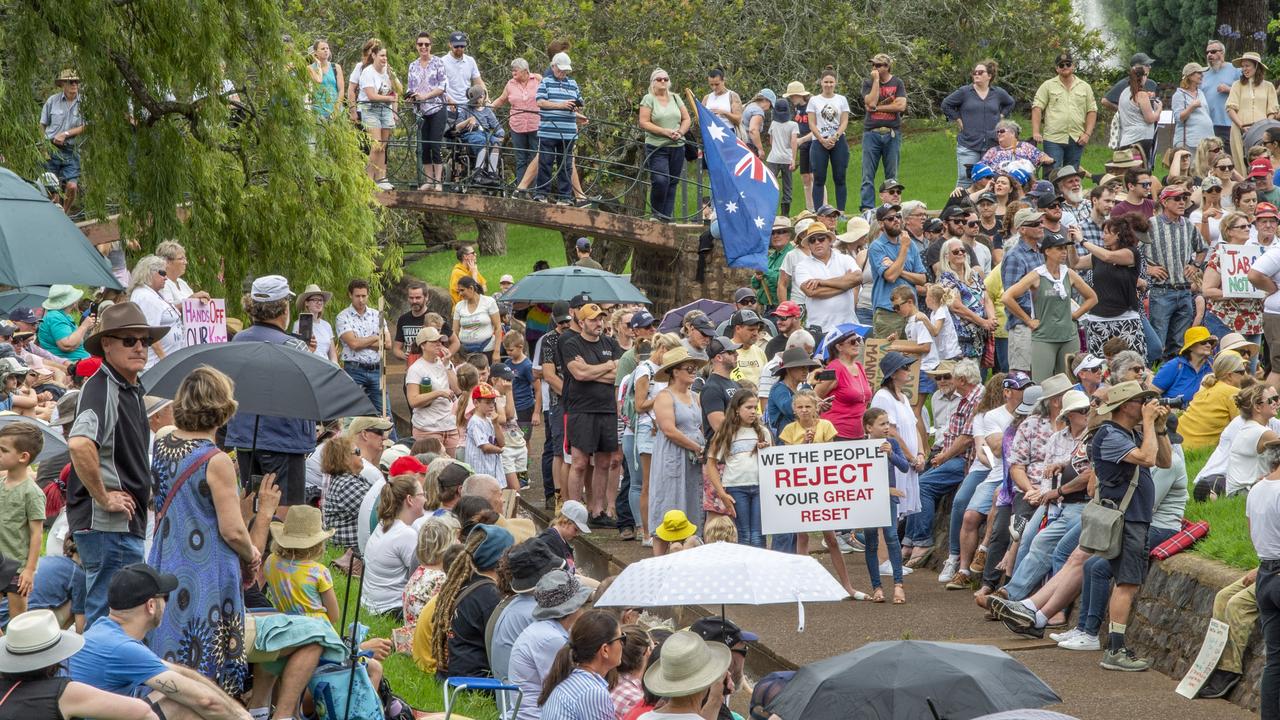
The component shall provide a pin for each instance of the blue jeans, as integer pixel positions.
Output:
(960, 503)
(934, 484)
(838, 156)
(1154, 351)
(631, 460)
(666, 165)
(877, 147)
(785, 542)
(871, 545)
(865, 315)
(746, 505)
(102, 554)
(554, 154)
(1171, 315)
(526, 147)
(1002, 354)
(1030, 570)
(1066, 546)
(368, 380)
(628, 515)
(1029, 533)
(965, 156)
(1095, 593)
(1068, 153)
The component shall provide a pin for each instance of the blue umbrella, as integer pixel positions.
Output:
(29, 296)
(562, 283)
(716, 311)
(39, 245)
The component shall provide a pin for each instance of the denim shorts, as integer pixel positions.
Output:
(927, 384)
(377, 116)
(984, 496)
(65, 163)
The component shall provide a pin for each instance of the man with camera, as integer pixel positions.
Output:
(1133, 440)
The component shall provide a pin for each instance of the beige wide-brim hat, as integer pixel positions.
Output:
(856, 229)
(1236, 341)
(34, 640)
(302, 528)
(311, 291)
(61, 296)
(1124, 392)
(795, 87)
(1055, 385)
(688, 665)
(674, 357)
(122, 316)
(1238, 62)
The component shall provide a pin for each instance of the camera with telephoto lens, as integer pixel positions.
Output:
(1173, 403)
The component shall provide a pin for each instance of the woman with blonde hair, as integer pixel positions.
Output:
(391, 554)
(646, 391)
(340, 503)
(971, 307)
(1207, 151)
(144, 290)
(664, 120)
(1225, 315)
(1214, 406)
(379, 100)
(326, 99)
(437, 534)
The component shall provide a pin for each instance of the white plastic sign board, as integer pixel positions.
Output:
(824, 486)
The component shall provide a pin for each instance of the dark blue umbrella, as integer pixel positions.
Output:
(39, 245)
(562, 283)
(29, 296)
(717, 312)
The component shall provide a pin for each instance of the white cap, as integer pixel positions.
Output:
(392, 454)
(577, 512)
(561, 61)
(506, 279)
(270, 288)
(1090, 362)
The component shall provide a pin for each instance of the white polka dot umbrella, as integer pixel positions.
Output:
(723, 574)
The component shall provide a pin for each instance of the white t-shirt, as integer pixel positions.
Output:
(1217, 462)
(368, 515)
(437, 415)
(789, 264)
(159, 312)
(991, 422)
(916, 332)
(946, 343)
(316, 477)
(175, 291)
(1269, 265)
(827, 112)
(828, 312)
(1263, 509)
(476, 325)
(1245, 464)
(984, 256)
(740, 467)
(322, 331)
(379, 81)
(460, 74)
(389, 558)
(780, 135)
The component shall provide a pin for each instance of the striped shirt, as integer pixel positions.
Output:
(1173, 245)
(583, 695)
(558, 124)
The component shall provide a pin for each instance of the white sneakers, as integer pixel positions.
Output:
(949, 569)
(1075, 639)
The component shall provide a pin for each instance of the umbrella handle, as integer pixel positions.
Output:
(799, 616)
(933, 710)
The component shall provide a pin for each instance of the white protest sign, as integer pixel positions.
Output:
(204, 322)
(824, 486)
(1215, 640)
(1234, 262)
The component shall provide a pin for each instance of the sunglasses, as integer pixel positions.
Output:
(748, 301)
(878, 65)
(1226, 167)
(620, 638)
(691, 369)
(979, 72)
(662, 79)
(957, 252)
(130, 340)
(941, 377)
(898, 306)
(892, 218)
(893, 191)
(423, 44)
(1034, 224)
(1065, 64)
(375, 431)
(1273, 398)
(1240, 226)
(1002, 131)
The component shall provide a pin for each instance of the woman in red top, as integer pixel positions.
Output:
(850, 390)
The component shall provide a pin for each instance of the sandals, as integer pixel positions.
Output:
(899, 595)
(877, 595)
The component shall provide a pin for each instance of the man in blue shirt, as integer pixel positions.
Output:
(115, 659)
(559, 100)
(59, 586)
(1019, 259)
(894, 261)
(1216, 85)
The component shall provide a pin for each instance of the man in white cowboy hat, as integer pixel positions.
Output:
(272, 444)
(109, 490)
(560, 601)
(114, 657)
(59, 332)
(63, 124)
(1124, 447)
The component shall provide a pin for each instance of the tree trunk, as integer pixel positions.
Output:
(612, 254)
(1242, 26)
(437, 232)
(570, 240)
(491, 237)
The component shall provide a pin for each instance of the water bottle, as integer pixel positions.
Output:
(424, 385)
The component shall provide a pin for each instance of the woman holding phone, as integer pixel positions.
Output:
(311, 304)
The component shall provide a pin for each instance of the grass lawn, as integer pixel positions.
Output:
(1228, 539)
(928, 169)
(407, 680)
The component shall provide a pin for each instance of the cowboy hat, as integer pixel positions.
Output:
(795, 358)
(67, 75)
(795, 87)
(1122, 393)
(688, 665)
(676, 356)
(36, 641)
(1122, 159)
(302, 528)
(122, 316)
(1238, 62)
(61, 296)
(312, 289)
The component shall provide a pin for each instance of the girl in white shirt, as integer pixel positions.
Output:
(391, 554)
(731, 468)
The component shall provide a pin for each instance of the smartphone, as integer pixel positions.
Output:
(826, 375)
(305, 323)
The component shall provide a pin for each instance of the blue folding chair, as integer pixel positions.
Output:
(502, 692)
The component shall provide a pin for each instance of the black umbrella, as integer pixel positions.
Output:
(271, 380)
(912, 680)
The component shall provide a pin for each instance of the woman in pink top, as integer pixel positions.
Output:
(850, 390)
(521, 94)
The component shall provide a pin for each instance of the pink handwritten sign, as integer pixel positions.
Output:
(204, 322)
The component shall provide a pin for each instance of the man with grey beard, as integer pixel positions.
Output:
(1075, 205)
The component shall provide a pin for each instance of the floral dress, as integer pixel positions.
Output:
(1243, 315)
(423, 585)
(973, 339)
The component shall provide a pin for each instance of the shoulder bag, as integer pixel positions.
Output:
(1102, 522)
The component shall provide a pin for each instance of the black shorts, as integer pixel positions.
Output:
(592, 432)
(10, 569)
(802, 158)
(290, 470)
(1130, 566)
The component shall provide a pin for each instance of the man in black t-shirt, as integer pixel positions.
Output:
(885, 98)
(788, 316)
(719, 388)
(408, 324)
(591, 418)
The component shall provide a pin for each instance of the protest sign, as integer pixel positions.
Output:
(824, 486)
(872, 350)
(1234, 262)
(1215, 641)
(204, 322)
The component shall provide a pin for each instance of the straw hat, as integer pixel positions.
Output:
(312, 289)
(66, 75)
(676, 356)
(795, 87)
(1122, 159)
(688, 665)
(35, 641)
(302, 528)
(1122, 393)
(1238, 62)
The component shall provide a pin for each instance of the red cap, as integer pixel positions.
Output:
(787, 308)
(1259, 167)
(88, 366)
(483, 391)
(1266, 209)
(406, 465)
(1172, 191)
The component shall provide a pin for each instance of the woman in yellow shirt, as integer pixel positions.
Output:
(1213, 406)
(1252, 98)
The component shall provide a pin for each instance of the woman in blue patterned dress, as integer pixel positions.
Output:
(972, 310)
(201, 537)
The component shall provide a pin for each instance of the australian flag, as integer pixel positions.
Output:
(743, 191)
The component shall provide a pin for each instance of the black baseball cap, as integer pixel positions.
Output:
(502, 371)
(455, 474)
(579, 300)
(24, 315)
(987, 197)
(934, 226)
(721, 345)
(135, 584)
(704, 325)
(458, 38)
(1053, 239)
(714, 629)
(560, 311)
(1047, 200)
(884, 210)
(745, 317)
(952, 211)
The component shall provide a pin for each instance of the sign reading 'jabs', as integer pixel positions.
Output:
(1234, 262)
(204, 322)
(828, 486)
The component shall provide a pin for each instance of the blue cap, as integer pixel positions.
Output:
(24, 315)
(1020, 175)
(496, 542)
(641, 319)
(892, 362)
(980, 171)
(458, 38)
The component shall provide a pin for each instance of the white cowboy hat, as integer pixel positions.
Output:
(688, 665)
(35, 641)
